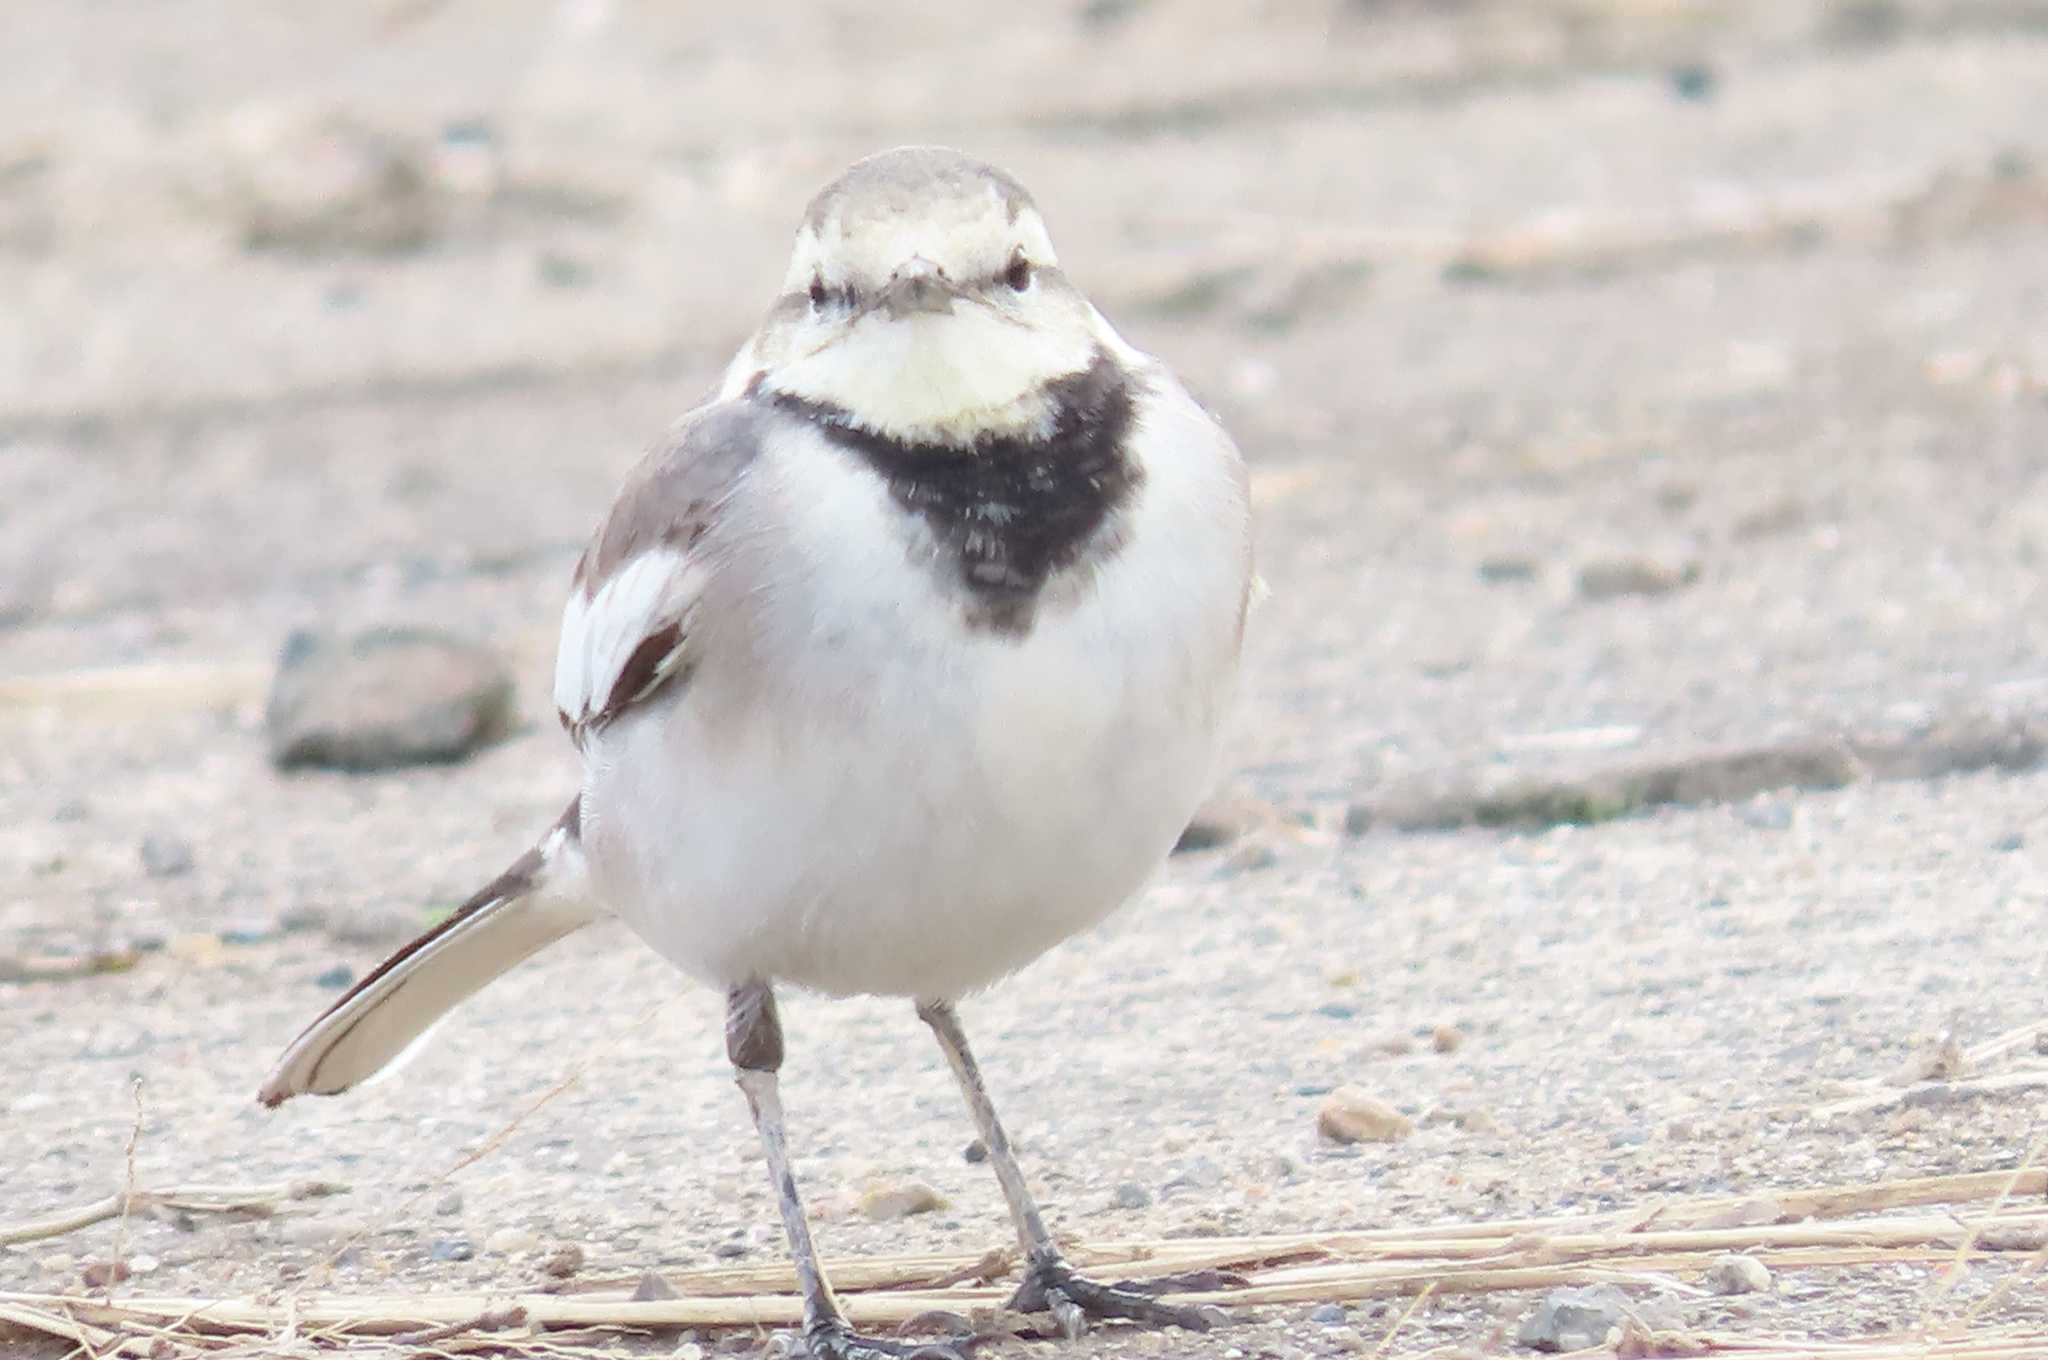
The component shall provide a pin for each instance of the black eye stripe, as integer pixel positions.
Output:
(822, 295)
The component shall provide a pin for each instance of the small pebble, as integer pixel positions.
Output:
(563, 1262)
(688, 1350)
(452, 1249)
(1328, 1314)
(100, 1274)
(975, 1152)
(338, 978)
(1476, 1121)
(653, 1287)
(511, 1241)
(293, 920)
(882, 1203)
(57, 1263)
(1446, 1039)
(166, 856)
(314, 1232)
(1200, 1174)
(1633, 576)
(449, 1204)
(1131, 1195)
(1502, 570)
(1736, 1273)
(1573, 1319)
(143, 1264)
(1349, 1115)
(730, 1250)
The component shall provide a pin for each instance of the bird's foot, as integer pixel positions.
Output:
(1051, 1286)
(836, 1341)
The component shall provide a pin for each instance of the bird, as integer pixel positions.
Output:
(903, 657)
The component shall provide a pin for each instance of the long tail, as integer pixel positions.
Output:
(537, 901)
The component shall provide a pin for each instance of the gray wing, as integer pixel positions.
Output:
(626, 628)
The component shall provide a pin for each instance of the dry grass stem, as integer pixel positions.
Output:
(1659, 1244)
(255, 1201)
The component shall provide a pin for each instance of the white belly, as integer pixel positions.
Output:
(862, 794)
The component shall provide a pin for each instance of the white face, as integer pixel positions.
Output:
(937, 313)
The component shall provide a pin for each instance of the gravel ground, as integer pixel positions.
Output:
(357, 319)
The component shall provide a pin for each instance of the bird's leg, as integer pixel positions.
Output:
(1050, 1284)
(753, 1040)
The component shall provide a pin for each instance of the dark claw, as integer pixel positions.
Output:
(836, 1342)
(1193, 1282)
(1051, 1286)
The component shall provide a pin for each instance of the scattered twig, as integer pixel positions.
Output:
(1932, 1092)
(253, 1200)
(118, 1266)
(2021, 1040)
(2040, 1256)
(490, 1320)
(1418, 1264)
(1421, 1296)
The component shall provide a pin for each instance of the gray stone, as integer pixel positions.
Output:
(452, 1249)
(653, 1287)
(1633, 576)
(1572, 1319)
(1328, 1314)
(1502, 570)
(1736, 1273)
(510, 1241)
(326, 184)
(385, 698)
(166, 856)
(885, 1202)
(1131, 1195)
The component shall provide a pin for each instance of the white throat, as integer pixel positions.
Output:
(943, 378)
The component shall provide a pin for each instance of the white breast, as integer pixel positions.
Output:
(858, 792)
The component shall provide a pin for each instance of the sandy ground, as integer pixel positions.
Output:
(357, 318)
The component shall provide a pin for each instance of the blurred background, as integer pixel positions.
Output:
(1648, 411)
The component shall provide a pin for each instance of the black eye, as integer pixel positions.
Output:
(1018, 275)
(818, 294)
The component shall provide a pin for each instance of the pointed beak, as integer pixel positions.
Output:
(918, 288)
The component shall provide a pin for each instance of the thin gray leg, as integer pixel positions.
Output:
(1050, 1284)
(1031, 1233)
(753, 1040)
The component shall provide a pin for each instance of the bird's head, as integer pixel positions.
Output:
(924, 302)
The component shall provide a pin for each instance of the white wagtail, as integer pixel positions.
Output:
(902, 659)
